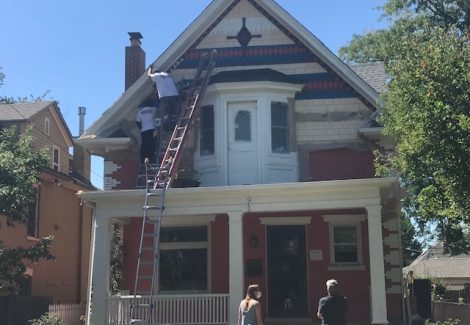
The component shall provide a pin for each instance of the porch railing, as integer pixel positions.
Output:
(174, 309)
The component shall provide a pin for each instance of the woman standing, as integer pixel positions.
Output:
(250, 309)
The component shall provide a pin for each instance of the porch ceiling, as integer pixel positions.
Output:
(340, 194)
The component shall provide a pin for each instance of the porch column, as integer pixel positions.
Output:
(235, 264)
(377, 270)
(101, 250)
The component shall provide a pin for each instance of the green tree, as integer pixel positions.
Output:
(426, 108)
(20, 164)
(12, 263)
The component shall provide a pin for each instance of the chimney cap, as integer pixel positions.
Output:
(135, 36)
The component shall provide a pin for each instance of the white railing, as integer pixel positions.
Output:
(174, 309)
(68, 313)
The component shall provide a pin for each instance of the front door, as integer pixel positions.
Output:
(287, 272)
(242, 143)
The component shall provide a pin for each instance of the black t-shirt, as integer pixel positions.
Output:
(333, 309)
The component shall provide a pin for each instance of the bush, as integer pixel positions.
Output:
(46, 319)
(446, 322)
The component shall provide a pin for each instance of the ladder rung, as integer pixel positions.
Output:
(147, 249)
(152, 194)
(152, 207)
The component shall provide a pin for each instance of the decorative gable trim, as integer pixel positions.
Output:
(187, 42)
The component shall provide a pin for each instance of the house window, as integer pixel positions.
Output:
(33, 217)
(47, 126)
(243, 126)
(279, 127)
(206, 144)
(345, 242)
(55, 158)
(184, 259)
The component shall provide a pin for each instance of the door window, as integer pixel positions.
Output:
(242, 126)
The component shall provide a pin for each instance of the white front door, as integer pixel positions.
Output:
(242, 143)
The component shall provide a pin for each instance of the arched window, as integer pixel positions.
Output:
(243, 126)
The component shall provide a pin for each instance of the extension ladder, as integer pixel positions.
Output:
(157, 180)
(190, 111)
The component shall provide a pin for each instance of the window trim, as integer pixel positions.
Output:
(345, 220)
(189, 245)
(53, 164)
(47, 126)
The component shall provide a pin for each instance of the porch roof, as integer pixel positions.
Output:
(338, 194)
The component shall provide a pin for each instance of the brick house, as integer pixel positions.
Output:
(288, 197)
(58, 210)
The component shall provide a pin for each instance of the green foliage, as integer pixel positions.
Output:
(412, 248)
(426, 51)
(438, 289)
(426, 110)
(19, 169)
(47, 319)
(12, 263)
(446, 322)
(116, 259)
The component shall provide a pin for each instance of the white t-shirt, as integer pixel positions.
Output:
(146, 116)
(165, 84)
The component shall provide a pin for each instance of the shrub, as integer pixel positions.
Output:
(46, 319)
(446, 322)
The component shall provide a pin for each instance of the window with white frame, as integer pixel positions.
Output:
(47, 126)
(345, 239)
(55, 158)
(345, 244)
(184, 259)
(279, 127)
(206, 143)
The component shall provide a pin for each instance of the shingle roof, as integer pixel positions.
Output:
(435, 263)
(21, 111)
(373, 73)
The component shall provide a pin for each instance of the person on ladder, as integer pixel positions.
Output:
(145, 120)
(168, 95)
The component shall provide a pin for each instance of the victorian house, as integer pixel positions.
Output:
(288, 199)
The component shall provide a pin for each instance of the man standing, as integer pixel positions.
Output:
(145, 120)
(332, 308)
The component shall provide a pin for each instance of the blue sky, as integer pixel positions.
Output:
(75, 48)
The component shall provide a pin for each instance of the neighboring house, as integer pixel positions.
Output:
(453, 271)
(58, 210)
(288, 196)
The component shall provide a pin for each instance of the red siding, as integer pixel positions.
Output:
(219, 253)
(341, 164)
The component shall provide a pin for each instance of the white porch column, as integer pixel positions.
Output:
(235, 264)
(377, 270)
(99, 284)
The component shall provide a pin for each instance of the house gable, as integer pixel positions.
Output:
(247, 33)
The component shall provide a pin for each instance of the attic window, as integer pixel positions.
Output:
(47, 126)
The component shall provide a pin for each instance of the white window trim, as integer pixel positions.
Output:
(285, 221)
(350, 220)
(190, 245)
(54, 148)
(47, 126)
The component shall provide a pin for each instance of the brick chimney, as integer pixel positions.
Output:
(135, 59)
